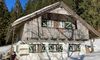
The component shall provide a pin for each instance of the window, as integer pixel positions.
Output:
(62, 24)
(47, 23)
(71, 23)
(55, 48)
(37, 48)
(52, 47)
(44, 23)
(74, 47)
(46, 20)
(32, 48)
(59, 48)
(41, 48)
(68, 23)
(58, 21)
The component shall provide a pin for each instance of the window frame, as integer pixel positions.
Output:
(38, 48)
(55, 48)
(49, 23)
(74, 47)
(61, 24)
(44, 21)
(60, 18)
(33, 50)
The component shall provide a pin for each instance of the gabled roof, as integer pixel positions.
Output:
(53, 6)
(38, 12)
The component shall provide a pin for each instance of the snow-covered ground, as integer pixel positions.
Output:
(4, 49)
(91, 56)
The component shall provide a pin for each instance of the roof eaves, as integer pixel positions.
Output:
(24, 18)
(80, 19)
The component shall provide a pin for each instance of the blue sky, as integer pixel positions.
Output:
(10, 3)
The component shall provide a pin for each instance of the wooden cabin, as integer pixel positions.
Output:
(53, 32)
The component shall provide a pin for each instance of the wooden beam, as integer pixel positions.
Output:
(36, 13)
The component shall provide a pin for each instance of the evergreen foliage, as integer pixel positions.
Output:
(4, 22)
(34, 5)
(91, 12)
(17, 11)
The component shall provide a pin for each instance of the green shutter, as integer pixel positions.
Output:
(68, 25)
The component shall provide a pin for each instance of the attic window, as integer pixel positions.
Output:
(61, 24)
(44, 23)
(71, 23)
(58, 21)
(47, 23)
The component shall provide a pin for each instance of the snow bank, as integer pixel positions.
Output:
(4, 49)
(96, 44)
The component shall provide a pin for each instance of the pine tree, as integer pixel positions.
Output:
(34, 5)
(17, 11)
(30, 7)
(91, 12)
(4, 22)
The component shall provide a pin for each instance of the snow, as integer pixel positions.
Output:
(90, 56)
(4, 49)
(96, 44)
(93, 56)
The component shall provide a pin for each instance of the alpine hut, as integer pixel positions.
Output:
(51, 33)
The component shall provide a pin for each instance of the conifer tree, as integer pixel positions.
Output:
(4, 22)
(34, 5)
(17, 11)
(91, 12)
(30, 7)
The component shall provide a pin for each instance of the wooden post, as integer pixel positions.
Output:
(92, 47)
(38, 28)
(13, 30)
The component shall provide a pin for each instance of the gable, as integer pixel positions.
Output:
(38, 12)
(60, 10)
(90, 28)
(58, 7)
